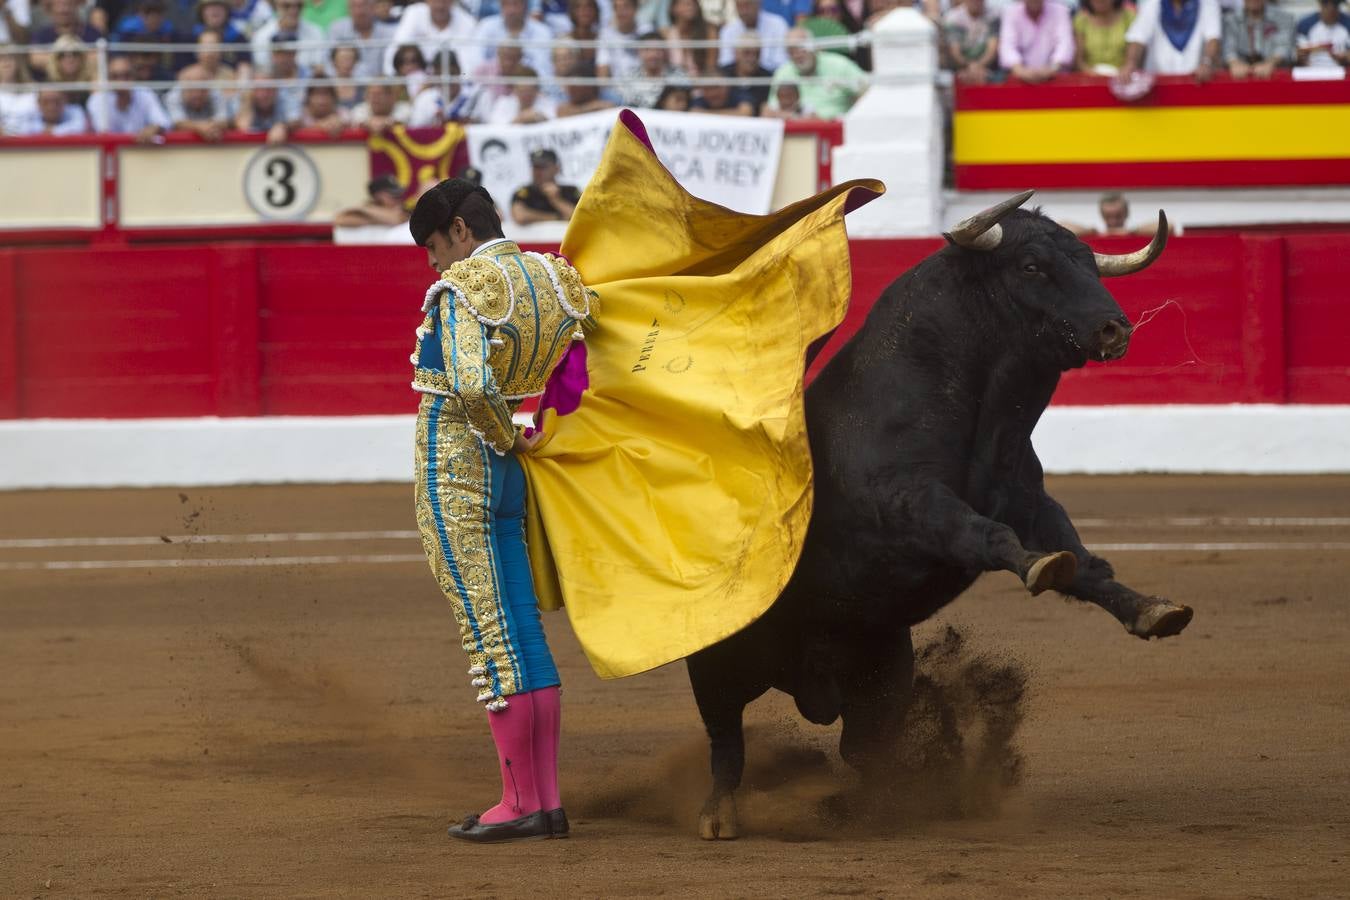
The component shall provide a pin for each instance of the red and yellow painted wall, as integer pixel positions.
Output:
(1074, 133)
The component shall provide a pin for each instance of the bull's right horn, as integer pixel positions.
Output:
(1109, 264)
(982, 231)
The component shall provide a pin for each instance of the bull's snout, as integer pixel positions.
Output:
(1113, 339)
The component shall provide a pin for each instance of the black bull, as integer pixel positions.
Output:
(925, 478)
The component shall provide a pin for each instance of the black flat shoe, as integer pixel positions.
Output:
(557, 823)
(534, 825)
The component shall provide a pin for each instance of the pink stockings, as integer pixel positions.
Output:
(526, 734)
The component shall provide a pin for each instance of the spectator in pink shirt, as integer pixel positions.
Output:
(1035, 40)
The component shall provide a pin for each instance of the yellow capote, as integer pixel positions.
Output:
(669, 509)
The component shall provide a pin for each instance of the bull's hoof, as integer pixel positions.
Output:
(1160, 619)
(1053, 572)
(719, 823)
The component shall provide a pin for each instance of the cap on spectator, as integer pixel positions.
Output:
(472, 175)
(384, 184)
(151, 6)
(543, 157)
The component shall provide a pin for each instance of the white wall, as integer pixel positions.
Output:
(275, 450)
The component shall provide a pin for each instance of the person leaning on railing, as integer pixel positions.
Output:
(970, 38)
(262, 109)
(1099, 30)
(1035, 39)
(1257, 40)
(200, 110)
(1324, 37)
(127, 110)
(381, 109)
(49, 113)
(1174, 37)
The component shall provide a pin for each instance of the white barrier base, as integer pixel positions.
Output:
(48, 453)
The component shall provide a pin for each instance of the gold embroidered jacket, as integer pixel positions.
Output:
(499, 321)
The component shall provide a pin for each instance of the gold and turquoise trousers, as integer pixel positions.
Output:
(471, 514)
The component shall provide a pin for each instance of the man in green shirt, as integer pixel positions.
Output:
(830, 98)
(324, 13)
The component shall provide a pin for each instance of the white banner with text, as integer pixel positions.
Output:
(727, 160)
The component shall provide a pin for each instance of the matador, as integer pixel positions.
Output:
(497, 321)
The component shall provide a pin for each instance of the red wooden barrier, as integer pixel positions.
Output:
(240, 330)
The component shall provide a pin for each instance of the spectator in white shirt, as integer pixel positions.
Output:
(1174, 37)
(50, 114)
(15, 17)
(288, 21)
(14, 98)
(618, 56)
(380, 109)
(361, 25)
(772, 30)
(508, 63)
(433, 105)
(512, 24)
(1324, 37)
(430, 25)
(525, 104)
(127, 110)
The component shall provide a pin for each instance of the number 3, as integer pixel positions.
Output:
(281, 193)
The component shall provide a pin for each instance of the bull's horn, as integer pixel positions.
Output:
(982, 231)
(1109, 264)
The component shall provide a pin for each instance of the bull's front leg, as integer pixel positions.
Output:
(945, 526)
(1095, 581)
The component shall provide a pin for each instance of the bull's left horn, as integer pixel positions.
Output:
(1109, 264)
(982, 231)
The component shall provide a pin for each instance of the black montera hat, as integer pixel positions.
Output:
(436, 208)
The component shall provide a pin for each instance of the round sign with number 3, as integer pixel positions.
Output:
(281, 183)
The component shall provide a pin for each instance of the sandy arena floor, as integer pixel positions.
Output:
(300, 725)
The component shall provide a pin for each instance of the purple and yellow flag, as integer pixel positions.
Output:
(670, 494)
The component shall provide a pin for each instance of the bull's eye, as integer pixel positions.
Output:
(1031, 268)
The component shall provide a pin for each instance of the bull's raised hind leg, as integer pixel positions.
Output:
(946, 527)
(722, 688)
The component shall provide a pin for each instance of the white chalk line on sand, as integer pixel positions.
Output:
(288, 537)
(217, 563)
(384, 558)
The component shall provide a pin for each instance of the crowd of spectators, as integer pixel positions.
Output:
(371, 63)
(1037, 40)
(517, 61)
